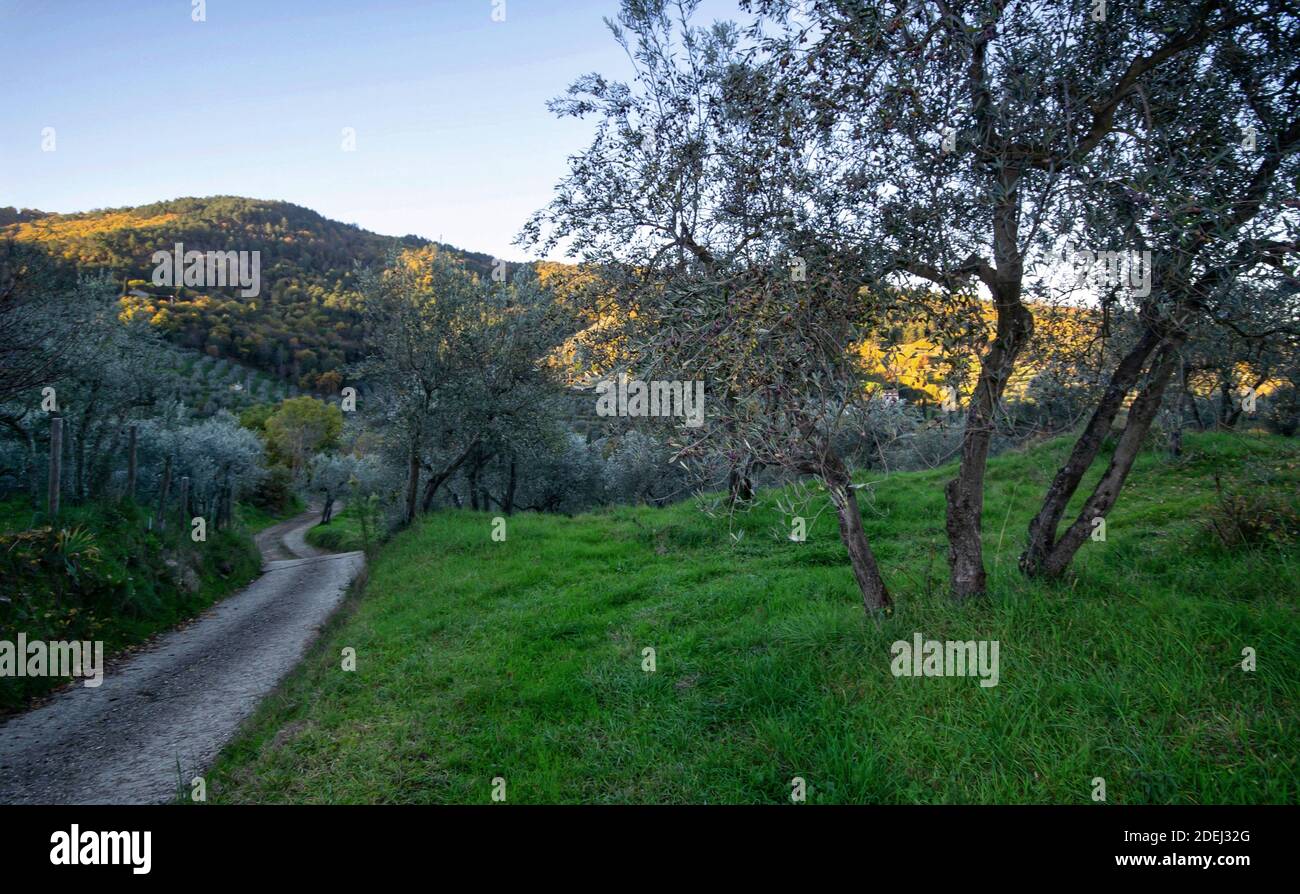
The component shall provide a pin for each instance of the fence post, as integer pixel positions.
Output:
(162, 495)
(229, 508)
(185, 504)
(130, 463)
(56, 465)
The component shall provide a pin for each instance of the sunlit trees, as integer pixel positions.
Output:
(300, 427)
(305, 323)
(455, 364)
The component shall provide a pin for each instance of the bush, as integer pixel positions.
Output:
(275, 495)
(1254, 517)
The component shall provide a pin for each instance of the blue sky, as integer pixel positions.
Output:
(453, 138)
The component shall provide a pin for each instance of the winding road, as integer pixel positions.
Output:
(162, 715)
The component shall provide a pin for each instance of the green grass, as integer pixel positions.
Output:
(523, 659)
(257, 519)
(342, 534)
(131, 584)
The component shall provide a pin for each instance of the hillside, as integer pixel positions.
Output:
(523, 659)
(301, 327)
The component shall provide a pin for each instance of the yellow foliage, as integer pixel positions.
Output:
(600, 345)
(67, 230)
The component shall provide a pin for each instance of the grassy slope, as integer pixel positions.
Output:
(342, 534)
(142, 584)
(523, 659)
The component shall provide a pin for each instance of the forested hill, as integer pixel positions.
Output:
(302, 325)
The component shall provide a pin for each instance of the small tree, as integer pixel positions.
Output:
(334, 474)
(300, 427)
(455, 364)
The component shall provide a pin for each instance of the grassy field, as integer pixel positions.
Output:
(523, 659)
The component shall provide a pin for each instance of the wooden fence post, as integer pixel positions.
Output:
(162, 495)
(185, 504)
(229, 509)
(130, 463)
(56, 465)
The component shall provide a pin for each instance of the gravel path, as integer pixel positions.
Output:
(163, 713)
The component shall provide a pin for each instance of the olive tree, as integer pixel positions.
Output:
(1205, 184)
(454, 366)
(692, 204)
(335, 474)
(961, 140)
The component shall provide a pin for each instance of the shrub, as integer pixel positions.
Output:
(1253, 517)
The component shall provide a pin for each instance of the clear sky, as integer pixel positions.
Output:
(453, 138)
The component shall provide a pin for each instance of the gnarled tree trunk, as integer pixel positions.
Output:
(875, 596)
(1140, 416)
(438, 479)
(412, 481)
(512, 483)
(1015, 326)
(965, 493)
(162, 493)
(1042, 530)
(740, 482)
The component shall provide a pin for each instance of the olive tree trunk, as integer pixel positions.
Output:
(875, 596)
(1042, 530)
(1015, 326)
(1140, 416)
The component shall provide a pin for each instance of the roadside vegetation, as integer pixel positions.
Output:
(345, 532)
(102, 574)
(258, 518)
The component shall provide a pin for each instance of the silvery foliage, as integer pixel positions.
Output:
(42, 307)
(569, 473)
(691, 203)
(209, 452)
(340, 473)
(105, 374)
(559, 473)
(892, 436)
(638, 469)
(218, 447)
